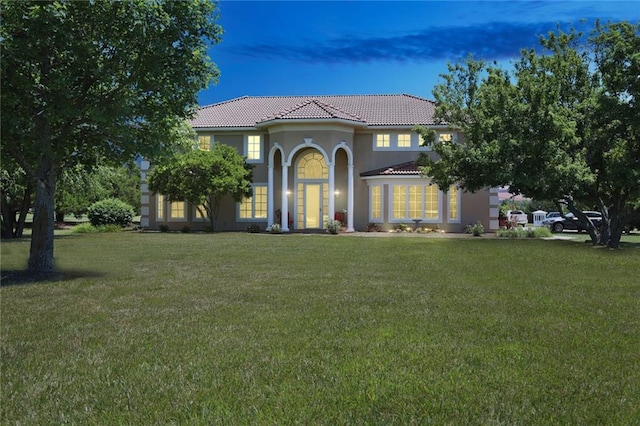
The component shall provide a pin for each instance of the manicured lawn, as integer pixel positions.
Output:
(279, 329)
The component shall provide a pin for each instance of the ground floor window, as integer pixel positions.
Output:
(177, 210)
(454, 204)
(254, 207)
(200, 212)
(414, 201)
(159, 207)
(375, 210)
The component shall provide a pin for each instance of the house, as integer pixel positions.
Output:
(316, 158)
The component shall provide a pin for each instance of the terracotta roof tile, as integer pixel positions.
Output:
(374, 110)
(311, 109)
(408, 168)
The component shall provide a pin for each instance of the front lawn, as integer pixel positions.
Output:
(150, 328)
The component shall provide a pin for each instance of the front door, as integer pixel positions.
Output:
(313, 205)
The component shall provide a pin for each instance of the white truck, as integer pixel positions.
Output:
(517, 217)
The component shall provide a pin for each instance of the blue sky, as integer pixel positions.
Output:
(375, 47)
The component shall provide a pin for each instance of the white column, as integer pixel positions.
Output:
(270, 201)
(332, 195)
(285, 199)
(350, 200)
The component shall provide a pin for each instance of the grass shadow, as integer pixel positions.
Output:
(12, 277)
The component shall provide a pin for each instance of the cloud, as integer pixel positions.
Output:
(498, 40)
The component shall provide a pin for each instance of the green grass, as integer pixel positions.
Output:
(148, 328)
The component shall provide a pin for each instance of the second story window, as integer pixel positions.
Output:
(254, 148)
(404, 140)
(383, 140)
(445, 137)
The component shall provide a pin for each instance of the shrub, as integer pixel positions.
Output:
(274, 229)
(333, 226)
(84, 228)
(110, 212)
(374, 227)
(164, 228)
(401, 227)
(476, 229)
(87, 228)
(185, 229)
(539, 232)
(254, 228)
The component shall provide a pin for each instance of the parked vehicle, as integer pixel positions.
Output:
(517, 216)
(632, 224)
(569, 221)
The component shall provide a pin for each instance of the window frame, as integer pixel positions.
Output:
(458, 204)
(380, 219)
(253, 217)
(423, 219)
(199, 145)
(171, 217)
(247, 137)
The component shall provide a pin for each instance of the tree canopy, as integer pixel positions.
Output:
(105, 79)
(204, 178)
(563, 124)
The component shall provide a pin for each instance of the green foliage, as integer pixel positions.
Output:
(84, 228)
(110, 212)
(563, 125)
(274, 229)
(204, 178)
(84, 82)
(401, 227)
(16, 190)
(333, 226)
(537, 232)
(374, 227)
(87, 228)
(163, 228)
(476, 230)
(254, 228)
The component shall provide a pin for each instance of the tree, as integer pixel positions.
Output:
(17, 190)
(204, 178)
(563, 125)
(104, 79)
(78, 188)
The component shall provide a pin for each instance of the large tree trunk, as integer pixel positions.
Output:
(41, 254)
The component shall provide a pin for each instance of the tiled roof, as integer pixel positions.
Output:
(312, 109)
(372, 110)
(408, 168)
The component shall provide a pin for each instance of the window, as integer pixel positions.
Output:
(254, 207)
(399, 197)
(254, 148)
(383, 140)
(404, 140)
(200, 213)
(204, 143)
(412, 201)
(445, 137)
(376, 204)
(415, 201)
(431, 209)
(177, 210)
(159, 207)
(454, 204)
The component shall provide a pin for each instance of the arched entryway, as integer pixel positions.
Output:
(311, 190)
